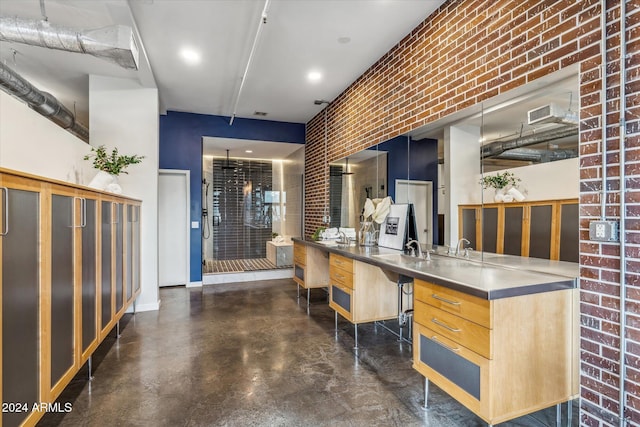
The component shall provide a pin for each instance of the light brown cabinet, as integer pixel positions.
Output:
(310, 266)
(502, 358)
(542, 229)
(60, 280)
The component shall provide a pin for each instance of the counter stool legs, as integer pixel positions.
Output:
(425, 405)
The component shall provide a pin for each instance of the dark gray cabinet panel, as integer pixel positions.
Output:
(20, 303)
(106, 264)
(62, 230)
(569, 233)
(540, 231)
(513, 230)
(489, 229)
(457, 369)
(89, 295)
(136, 245)
(341, 298)
(130, 249)
(119, 279)
(469, 226)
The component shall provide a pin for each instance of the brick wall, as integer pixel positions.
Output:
(470, 51)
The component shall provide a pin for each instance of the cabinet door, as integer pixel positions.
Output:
(62, 286)
(540, 226)
(513, 217)
(89, 302)
(119, 257)
(105, 286)
(569, 232)
(20, 281)
(469, 219)
(136, 248)
(489, 229)
(128, 233)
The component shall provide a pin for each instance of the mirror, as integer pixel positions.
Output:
(450, 156)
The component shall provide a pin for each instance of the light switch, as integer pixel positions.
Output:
(195, 224)
(603, 231)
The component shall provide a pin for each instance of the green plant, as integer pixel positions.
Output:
(111, 163)
(499, 180)
(274, 235)
(316, 234)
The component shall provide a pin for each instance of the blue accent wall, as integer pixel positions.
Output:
(181, 148)
(416, 160)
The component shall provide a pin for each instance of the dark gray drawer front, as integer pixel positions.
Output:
(341, 298)
(457, 369)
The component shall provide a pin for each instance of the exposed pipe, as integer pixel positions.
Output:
(41, 102)
(603, 101)
(263, 20)
(623, 208)
(115, 43)
(538, 156)
(494, 149)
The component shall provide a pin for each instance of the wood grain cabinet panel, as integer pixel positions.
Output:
(502, 369)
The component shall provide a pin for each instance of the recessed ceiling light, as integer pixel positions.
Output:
(344, 40)
(248, 151)
(190, 56)
(314, 76)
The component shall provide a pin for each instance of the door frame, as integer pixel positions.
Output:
(430, 215)
(187, 174)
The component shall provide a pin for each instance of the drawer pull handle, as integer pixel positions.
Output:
(444, 325)
(340, 276)
(440, 343)
(448, 301)
(6, 211)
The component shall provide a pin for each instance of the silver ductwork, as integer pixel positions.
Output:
(495, 149)
(41, 102)
(537, 156)
(115, 43)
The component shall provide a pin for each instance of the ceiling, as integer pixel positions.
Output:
(338, 38)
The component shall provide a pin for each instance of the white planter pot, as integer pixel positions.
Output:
(104, 181)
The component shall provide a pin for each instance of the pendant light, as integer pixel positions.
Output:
(227, 166)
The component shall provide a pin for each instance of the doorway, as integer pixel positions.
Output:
(420, 193)
(173, 227)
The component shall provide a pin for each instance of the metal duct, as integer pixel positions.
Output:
(41, 102)
(494, 149)
(537, 156)
(114, 43)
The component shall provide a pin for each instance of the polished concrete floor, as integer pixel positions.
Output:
(248, 354)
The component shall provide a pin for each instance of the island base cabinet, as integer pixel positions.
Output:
(531, 361)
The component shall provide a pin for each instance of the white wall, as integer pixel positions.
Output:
(34, 144)
(125, 115)
(545, 181)
(461, 174)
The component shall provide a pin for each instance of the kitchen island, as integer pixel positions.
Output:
(499, 335)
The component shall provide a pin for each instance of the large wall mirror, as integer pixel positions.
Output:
(531, 132)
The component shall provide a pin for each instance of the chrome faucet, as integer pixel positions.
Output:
(461, 241)
(411, 242)
(344, 240)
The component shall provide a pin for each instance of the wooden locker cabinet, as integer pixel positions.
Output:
(545, 229)
(58, 253)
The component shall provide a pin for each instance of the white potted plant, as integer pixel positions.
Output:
(503, 183)
(109, 167)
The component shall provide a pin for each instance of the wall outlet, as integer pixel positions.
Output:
(603, 231)
(195, 224)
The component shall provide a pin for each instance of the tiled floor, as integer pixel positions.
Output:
(237, 265)
(248, 354)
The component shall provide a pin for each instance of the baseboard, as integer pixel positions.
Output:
(148, 307)
(194, 284)
(247, 276)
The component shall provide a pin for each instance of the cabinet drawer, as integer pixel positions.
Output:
(341, 300)
(468, 334)
(341, 262)
(341, 277)
(464, 305)
(299, 255)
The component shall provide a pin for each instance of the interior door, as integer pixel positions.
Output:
(173, 228)
(420, 193)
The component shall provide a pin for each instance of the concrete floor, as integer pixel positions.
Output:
(247, 354)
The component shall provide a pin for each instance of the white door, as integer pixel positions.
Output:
(420, 193)
(173, 228)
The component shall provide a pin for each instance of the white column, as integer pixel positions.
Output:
(461, 174)
(125, 115)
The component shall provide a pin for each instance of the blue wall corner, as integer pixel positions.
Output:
(421, 165)
(181, 148)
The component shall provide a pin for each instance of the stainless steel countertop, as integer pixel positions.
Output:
(489, 276)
